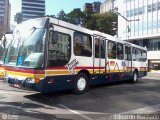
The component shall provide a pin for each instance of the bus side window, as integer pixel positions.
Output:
(103, 49)
(59, 53)
(120, 51)
(138, 55)
(97, 52)
(127, 53)
(111, 50)
(99, 44)
(82, 44)
(144, 56)
(134, 54)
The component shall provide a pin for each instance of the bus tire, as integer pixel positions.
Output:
(81, 84)
(135, 77)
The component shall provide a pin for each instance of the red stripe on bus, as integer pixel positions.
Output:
(2, 66)
(26, 71)
(89, 67)
(57, 68)
(79, 67)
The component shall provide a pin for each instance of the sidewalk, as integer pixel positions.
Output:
(151, 75)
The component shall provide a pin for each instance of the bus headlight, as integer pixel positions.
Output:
(30, 80)
(33, 80)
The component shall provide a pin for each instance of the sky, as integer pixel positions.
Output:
(52, 6)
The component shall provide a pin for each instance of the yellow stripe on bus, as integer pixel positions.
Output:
(58, 72)
(2, 68)
(26, 74)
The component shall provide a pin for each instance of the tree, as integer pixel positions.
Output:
(105, 22)
(87, 18)
(18, 17)
(62, 15)
(75, 16)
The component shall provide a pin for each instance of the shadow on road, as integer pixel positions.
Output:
(19, 111)
(113, 96)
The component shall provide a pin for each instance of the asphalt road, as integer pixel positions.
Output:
(107, 102)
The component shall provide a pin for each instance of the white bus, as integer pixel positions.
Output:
(48, 55)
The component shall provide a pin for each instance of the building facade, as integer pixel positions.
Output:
(142, 27)
(108, 6)
(32, 9)
(95, 6)
(5, 12)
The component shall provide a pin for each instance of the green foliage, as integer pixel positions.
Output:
(105, 22)
(18, 17)
(87, 19)
(62, 15)
(75, 16)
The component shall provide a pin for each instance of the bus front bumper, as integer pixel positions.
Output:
(23, 84)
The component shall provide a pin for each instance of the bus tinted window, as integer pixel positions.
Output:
(103, 49)
(138, 55)
(120, 52)
(82, 44)
(144, 56)
(134, 54)
(97, 52)
(111, 50)
(59, 53)
(127, 53)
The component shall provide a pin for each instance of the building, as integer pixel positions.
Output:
(5, 12)
(95, 6)
(142, 27)
(32, 9)
(108, 6)
(87, 6)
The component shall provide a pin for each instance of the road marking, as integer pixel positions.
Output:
(144, 110)
(75, 112)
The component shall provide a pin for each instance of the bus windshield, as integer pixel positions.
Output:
(27, 44)
(31, 50)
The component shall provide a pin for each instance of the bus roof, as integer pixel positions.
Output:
(91, 32)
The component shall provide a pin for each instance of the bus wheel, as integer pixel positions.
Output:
(81, 84)
(135, 77)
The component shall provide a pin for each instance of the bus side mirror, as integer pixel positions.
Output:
(54, 37)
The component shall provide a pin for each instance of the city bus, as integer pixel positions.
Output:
(49, 55)
(5, 41)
